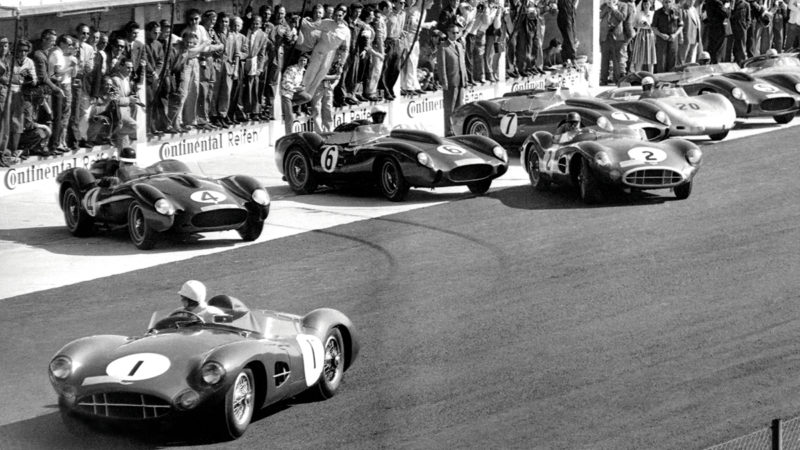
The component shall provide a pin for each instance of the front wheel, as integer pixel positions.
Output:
(480, 187)
(534, 173)
(252, 228)
(332, 366)
(392, 183)
(683, 191)
(719, 136)
(588, 186)
(478, 127)
(238, 405)
(142, 234)
(299, 173)
(79, 223)
(784, 118)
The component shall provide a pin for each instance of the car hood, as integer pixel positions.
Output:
(193, 193)
(630, 154)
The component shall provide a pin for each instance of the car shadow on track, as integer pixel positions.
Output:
(564, 197)
(365, 196)
(109, 242)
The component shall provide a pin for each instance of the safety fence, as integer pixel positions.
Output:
(779, 435)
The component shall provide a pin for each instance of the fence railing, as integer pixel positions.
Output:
(779, 435)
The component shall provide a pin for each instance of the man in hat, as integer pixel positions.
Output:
(452, 73)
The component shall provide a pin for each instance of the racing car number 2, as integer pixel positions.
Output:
(329, 158)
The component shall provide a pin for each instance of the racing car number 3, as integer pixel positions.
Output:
(329, 158)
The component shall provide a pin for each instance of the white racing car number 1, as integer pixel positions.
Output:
(329, 158)
(313, 357)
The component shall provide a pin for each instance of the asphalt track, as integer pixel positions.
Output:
(514, 320)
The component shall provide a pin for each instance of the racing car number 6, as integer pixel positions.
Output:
(329, 158)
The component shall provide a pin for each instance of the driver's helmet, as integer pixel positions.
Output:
(127, 156)
(772, 52)
(573, 118)
(704, 57)
(378, 114)
(647, 83)
(194, 290)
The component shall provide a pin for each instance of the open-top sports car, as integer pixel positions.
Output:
(710, 114)
(162, 198)
(512, 118)
(782, 69)
(217, 367)
(595, 162)
(750, 96)
(395, 160)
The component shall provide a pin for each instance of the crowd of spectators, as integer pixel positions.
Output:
(217, 69)
(662, 35)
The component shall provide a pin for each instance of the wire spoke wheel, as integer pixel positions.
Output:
(478, 127)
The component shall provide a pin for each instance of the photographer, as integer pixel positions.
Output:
(23, 77)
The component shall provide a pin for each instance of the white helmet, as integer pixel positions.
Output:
(648, 81)
(194, 290)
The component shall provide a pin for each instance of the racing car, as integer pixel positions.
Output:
(395, 160)
(750, 96)
(596, 162)
(512, 118)
(782, 69)
(210, 368)
(162, 198)
(710, 114)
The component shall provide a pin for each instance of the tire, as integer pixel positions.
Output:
(299, 173)
(535, 175)
(391, 182)
(784, 118)
(333, 365)
(79, 223)
(719, 136)
(480, 187)
(589, 188)
(237, 408)
(478, 127)
(252, 228)
(142, 236)
(683, 191)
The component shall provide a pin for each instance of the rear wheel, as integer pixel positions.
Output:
(79, 223)
(478, 127)
(588, 186)
(532, 167)
(298, 172)
(238, 405)
(142, 235)
(784, 118)
(480, 187)
(392, 183)
(333, 365)
(683, 191)
(719, 136)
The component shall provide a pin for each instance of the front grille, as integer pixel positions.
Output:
(777, 104)
(653, 178)
(472, 172)
(124, 405)
(219, 218)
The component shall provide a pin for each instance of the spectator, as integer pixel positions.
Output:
(690, 33)
(308, 34)
(283, 39)
(225, 64)
(565, 21)
(644, 43)
(452, 74)
(494, 41)
(100, 65)
(208, 71)
(292, 92)
(154, 55)
(391, 62)
(322, 100)
(5, 100)
(552, 54)
(23, 77)
(61, 67)
(527, 43)
(717, 15)
(334, 33)
(265, 108)
(124, 99)
(166, 37)
(780, 16)
(186, 69)
(762, 36)
(236, 110)
(256, 47)
(366, 53)
(134, 51)
(47, 90)
(378, 53)
(667, 26)
(509, 34)
(740, 23)
(116, 51)
(81, 89)
(612, 38)
(468, 10)
(344, 93)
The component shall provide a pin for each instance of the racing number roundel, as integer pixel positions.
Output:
(137, 367)
(329, 158)
(508, 125)
(619, 115)
(208, 197)
(763, 87)
(647, 154)
(451, 150)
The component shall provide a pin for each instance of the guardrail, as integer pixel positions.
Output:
(779, 435)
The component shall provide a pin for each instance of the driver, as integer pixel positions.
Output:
(377, 116)
(118, 169)
(647, 87)
(193, 297)
(704, 59)
(569, 128)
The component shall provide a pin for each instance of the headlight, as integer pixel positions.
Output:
(212, 372)
(261, 196)
(424, 159)
(694, 156)
(187, 399)
(662, 117)
(737, 93)
(500, 153)
(61, 367)
(164, 207)
(604, 123)
(797, 87)
(602, 159)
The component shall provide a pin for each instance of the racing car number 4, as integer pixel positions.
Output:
(208, 197)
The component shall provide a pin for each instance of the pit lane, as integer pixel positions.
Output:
(515, 320)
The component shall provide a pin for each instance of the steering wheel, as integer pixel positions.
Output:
(194, 316)
(178, 319)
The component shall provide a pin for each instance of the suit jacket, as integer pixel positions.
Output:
(611, 23)
(691, 26)
(451, 65)
(255, 50)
